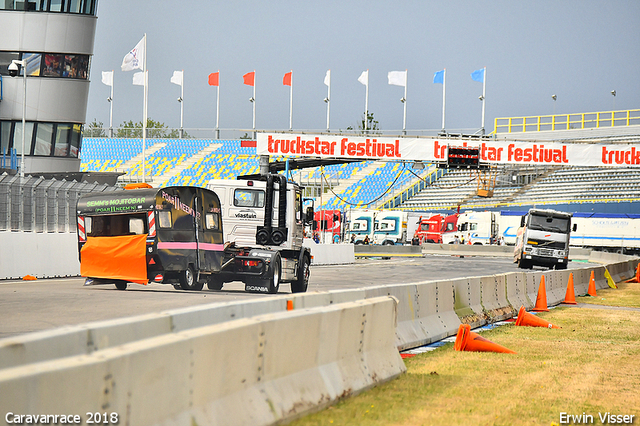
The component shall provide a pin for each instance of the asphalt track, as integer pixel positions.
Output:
(27, 306)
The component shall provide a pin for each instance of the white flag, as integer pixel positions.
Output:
(327, 78)
(398, 78)
(177, 77)
(364, 78)
(138, 79)
(134, 59)
(107, 78)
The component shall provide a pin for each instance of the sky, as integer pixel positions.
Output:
(577, 50)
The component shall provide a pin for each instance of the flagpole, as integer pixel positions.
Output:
(484, 86)
(111, 108)
(218, 108)
(144, 109)
(366, 105)
(404, 118)
(328, 99)
(444, 88)
(182, 105)
(254, 103)
(291, 103)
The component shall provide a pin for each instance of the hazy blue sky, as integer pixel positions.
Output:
(577, 50)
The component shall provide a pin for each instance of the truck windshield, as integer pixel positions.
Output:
(549, 223)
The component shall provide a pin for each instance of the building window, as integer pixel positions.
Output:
(42, 139)
(44, 136)
(85, 7)
(54, 64)
(63, 131)
(6, 58)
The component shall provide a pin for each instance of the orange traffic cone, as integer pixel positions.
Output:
(635, 279)
(570, 297)
(592, 286)
(467, 340)
(526, 319)
(541, 301)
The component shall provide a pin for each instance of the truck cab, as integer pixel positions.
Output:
(390, 227)
(543, 239)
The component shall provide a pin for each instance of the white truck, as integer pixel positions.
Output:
(360, 226)
(264, 214)
(390, 227)
(480, 228)
(613, 232)
(543, 239)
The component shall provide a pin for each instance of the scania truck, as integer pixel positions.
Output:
(543, 239)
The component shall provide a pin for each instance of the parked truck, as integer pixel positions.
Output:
(480, 228)
(543, 239)
(432, 227)
(328, 226)
(390, 227)
(360, 226)
(248, 230)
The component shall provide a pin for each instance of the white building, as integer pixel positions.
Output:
(56, 38)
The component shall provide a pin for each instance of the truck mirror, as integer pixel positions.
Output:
(575, 227)
(308, 217)
(522, 221)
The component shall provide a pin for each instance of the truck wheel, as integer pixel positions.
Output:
(214, 283)
(523, 264)
(121, 285)
(273, 282)
(188, 280)
(387, 243)
(300, 285)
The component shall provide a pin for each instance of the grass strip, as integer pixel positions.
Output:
(591, 365)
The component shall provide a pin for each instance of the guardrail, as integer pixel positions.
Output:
(585, 120)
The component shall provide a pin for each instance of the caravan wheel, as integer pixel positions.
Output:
(121, 285)
(188, 280)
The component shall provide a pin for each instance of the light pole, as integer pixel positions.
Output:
(13, 71)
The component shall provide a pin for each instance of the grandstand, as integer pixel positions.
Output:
(381, 184)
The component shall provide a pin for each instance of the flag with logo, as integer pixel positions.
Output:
(135, 58)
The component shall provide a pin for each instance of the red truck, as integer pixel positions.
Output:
(431, 228)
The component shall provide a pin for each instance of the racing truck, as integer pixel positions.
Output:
(543, 239)
(188, 236)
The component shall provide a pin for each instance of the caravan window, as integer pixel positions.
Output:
(244, 197)
(212, 221)
(116, 225)
(164, 219)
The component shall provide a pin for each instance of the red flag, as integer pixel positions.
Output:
(214, 79)
(249, 78)
(287, 79)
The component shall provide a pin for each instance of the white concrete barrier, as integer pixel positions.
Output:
(41, 254)
(330, 254)
(494, 298)
(467, 301)
(517, 290)
(255, 371)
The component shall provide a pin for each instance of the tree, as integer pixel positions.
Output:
(155, 130)
(95, 129)
(371, 124)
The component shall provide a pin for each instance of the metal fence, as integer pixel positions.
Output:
(41, 205)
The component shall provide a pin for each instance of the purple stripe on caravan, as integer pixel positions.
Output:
(190, 246)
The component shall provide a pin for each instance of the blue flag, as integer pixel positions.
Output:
(438, 77)
(478, 75)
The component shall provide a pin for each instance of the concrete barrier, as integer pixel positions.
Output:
(517, 290)
(387, 251)
(19, 249)
(494, 298)
(330, 254)
(430, 312)
(255, 371)
(467, 301)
